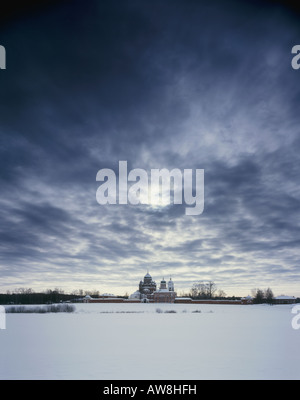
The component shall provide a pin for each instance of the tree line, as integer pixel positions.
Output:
(49, 296)
(208, 290)
(199, 290)
(261, 296)
(205, 290)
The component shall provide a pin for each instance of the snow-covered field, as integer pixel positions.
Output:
(134, 341)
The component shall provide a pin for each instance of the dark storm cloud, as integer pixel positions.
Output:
(169, 84)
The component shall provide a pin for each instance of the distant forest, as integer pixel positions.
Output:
(198, 291)
(28, 296)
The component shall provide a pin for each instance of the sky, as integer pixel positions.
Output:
(159, 84)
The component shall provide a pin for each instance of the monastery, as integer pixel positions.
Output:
(148, 293)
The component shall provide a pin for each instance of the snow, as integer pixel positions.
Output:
(133, 341)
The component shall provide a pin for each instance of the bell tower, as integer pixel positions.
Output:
(163, 284)
(171, 285)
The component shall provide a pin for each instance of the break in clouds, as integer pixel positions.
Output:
(172, 84)
(157, 190)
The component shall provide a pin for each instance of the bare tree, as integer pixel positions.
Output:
(203, 290)
(211, 289)
(221, 293)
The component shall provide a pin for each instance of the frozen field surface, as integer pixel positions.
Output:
(134, 341)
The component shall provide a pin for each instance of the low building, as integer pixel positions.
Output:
(105, 298)
(183, 300)
(247, 300)
(135, 296)
(284, 299)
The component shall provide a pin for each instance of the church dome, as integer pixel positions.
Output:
(171, 285)
(163, 284)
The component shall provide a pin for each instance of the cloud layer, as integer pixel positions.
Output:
(169, 84)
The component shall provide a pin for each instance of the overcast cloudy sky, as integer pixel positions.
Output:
(160, 84)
